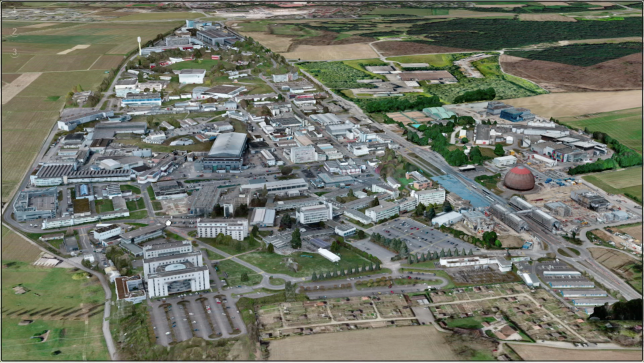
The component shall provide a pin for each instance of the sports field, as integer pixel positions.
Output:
(58, 58)
(408, 343)
(618, 182)
(624, 125)
(71, 309)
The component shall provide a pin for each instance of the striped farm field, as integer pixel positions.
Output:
(624, 125)
(51, 62)
(107, 62)
(618, 182)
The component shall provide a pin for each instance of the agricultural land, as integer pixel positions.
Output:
(618, 182)
(532, 352)
(624, 125)
(622, 264)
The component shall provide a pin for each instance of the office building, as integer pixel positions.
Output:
(303, 154)
(130, 288)
(459, 261)
(314, 214)
(103, 233)
(178, 278)
(141, 99)
(151, 264)
(211, 228)
(161, 248)
(420, 182)
(276, 187)
(215, 37)
(429, 196)
(143, 234)
(383, 211)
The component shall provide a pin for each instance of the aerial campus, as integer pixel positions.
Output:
(322, 180)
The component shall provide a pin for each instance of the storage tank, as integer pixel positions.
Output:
(519, 178)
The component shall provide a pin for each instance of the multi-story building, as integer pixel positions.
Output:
(407, 204)
(420, 182)
(303, 154)
(279, 78)
(151, 264)
(215, 37)
(178, 278)
(36, 204)
(163, 248)
(503, 264)
(357, 215)
(314, 214)
(226, 152)
(143, 234)
(210, 228)
(383, 211)
(276, 187)
(130, 288)
(103, 233)
(429, 196)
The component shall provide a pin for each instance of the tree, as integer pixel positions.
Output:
(264, 191)
(447, 207)
(498, 243)
(296, 239)
(286, 221)
(475, 155)
(255, 231)
(464, 140)
(197, 54)
(244, 277)
(498, 150)
(361, 234)
(270, 248)
(286, 170)
(420, 209)
(351, 195)
(430, 213)
(375, 203)
(574, 236)
(335, 246)
(314, 277)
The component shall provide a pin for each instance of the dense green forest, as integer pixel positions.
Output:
(485, 94)
(390, 104)
(487, 34)
(583, 55)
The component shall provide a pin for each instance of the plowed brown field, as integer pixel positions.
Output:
(618, 74)
(393, 48)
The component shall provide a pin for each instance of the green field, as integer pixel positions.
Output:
(274, 263)
(104, 205)
(134, 189)
(206, 64)
(235, 271)
(214, 255)
(623, 125)
(468, 323)
(618, 182)
(434, 60)
(58, 301)
(161, 16)
(410, 11)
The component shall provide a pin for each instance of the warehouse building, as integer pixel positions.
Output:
(339, 129)
(559, 209)
(215, 37)
(477, 221)
(70, 123)
(191, 76)
(570, 284)
(328, 255)
(36, 204)
(263, 217)
(75, 220)
(276, 187)
(325, 119)
(226, 152)
(169, 190)
(447, 219)
(504, 161)
(210, 228)
(141, 100)
(567, 293)
(590, 200)
(432, 77)
(509, 218)
(335, 180)
(594, 302)
(314, 214)
(530, 279)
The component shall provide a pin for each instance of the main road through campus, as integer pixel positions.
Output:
(434, 164)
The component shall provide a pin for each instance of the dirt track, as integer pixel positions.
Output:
(12, 89)
(618, 74)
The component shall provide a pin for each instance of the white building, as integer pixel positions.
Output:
(504, 161)
(329, 255)
(276, 187)
(393, 182)
(345, 230)
(72, 221)
(407, 204)
(314, 213)
(177, 278)
(151, 265)
(383, 211)
(429, 196)
(303, 154)
(104, 233)
(263, 217)
(130, 288)
(447, 218)
(210, 228)
(166, 249)
(503, 264)
(191, 76)
(270, 159)
(357, 215)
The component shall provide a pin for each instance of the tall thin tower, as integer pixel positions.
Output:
(138, 39)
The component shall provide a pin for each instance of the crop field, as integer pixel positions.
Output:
(273, 42)
(414, 343)
(107, 62)
(620, 263)
(578, 103)
(15, 248)
(618, 182)
(161, 16)
(71, 309)
(583, 55)
(50, 62)
(410, 11)
(331, 52)
(623, 125)
(532, 352)
(435, 60)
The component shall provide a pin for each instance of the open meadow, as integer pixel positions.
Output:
(578, 103)
(70, 309)
(15, 248)
(618, 182)
(412, 343)
(532, 352)
(622, 264)
(623, 125)
(57, 58)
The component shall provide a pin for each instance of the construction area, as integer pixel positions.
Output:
(537, 314)
(334, 315)
(410, 117)
(479, 275)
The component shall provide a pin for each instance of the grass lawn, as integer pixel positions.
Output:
(618, 182)
(274, 264)
(214, 255)
(231, 249)
(635, 273)
(258, 89)
(104, 205)
(235, 270)
(277, 282)
(139, 214)
(59, 295)
(151, 193)
(206, 64)
(133, 205)
(468, 323)
(156, 205)
(426, 264)
(623, 125)
(135, 190)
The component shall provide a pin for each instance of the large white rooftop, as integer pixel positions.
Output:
(231, 145)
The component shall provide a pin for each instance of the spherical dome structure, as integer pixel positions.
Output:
(519, 178)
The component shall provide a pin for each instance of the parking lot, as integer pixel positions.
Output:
(421, 238)
(183, 317)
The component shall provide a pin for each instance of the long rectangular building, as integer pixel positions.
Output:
(143, 234)
(276, 187)
(211, 228)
